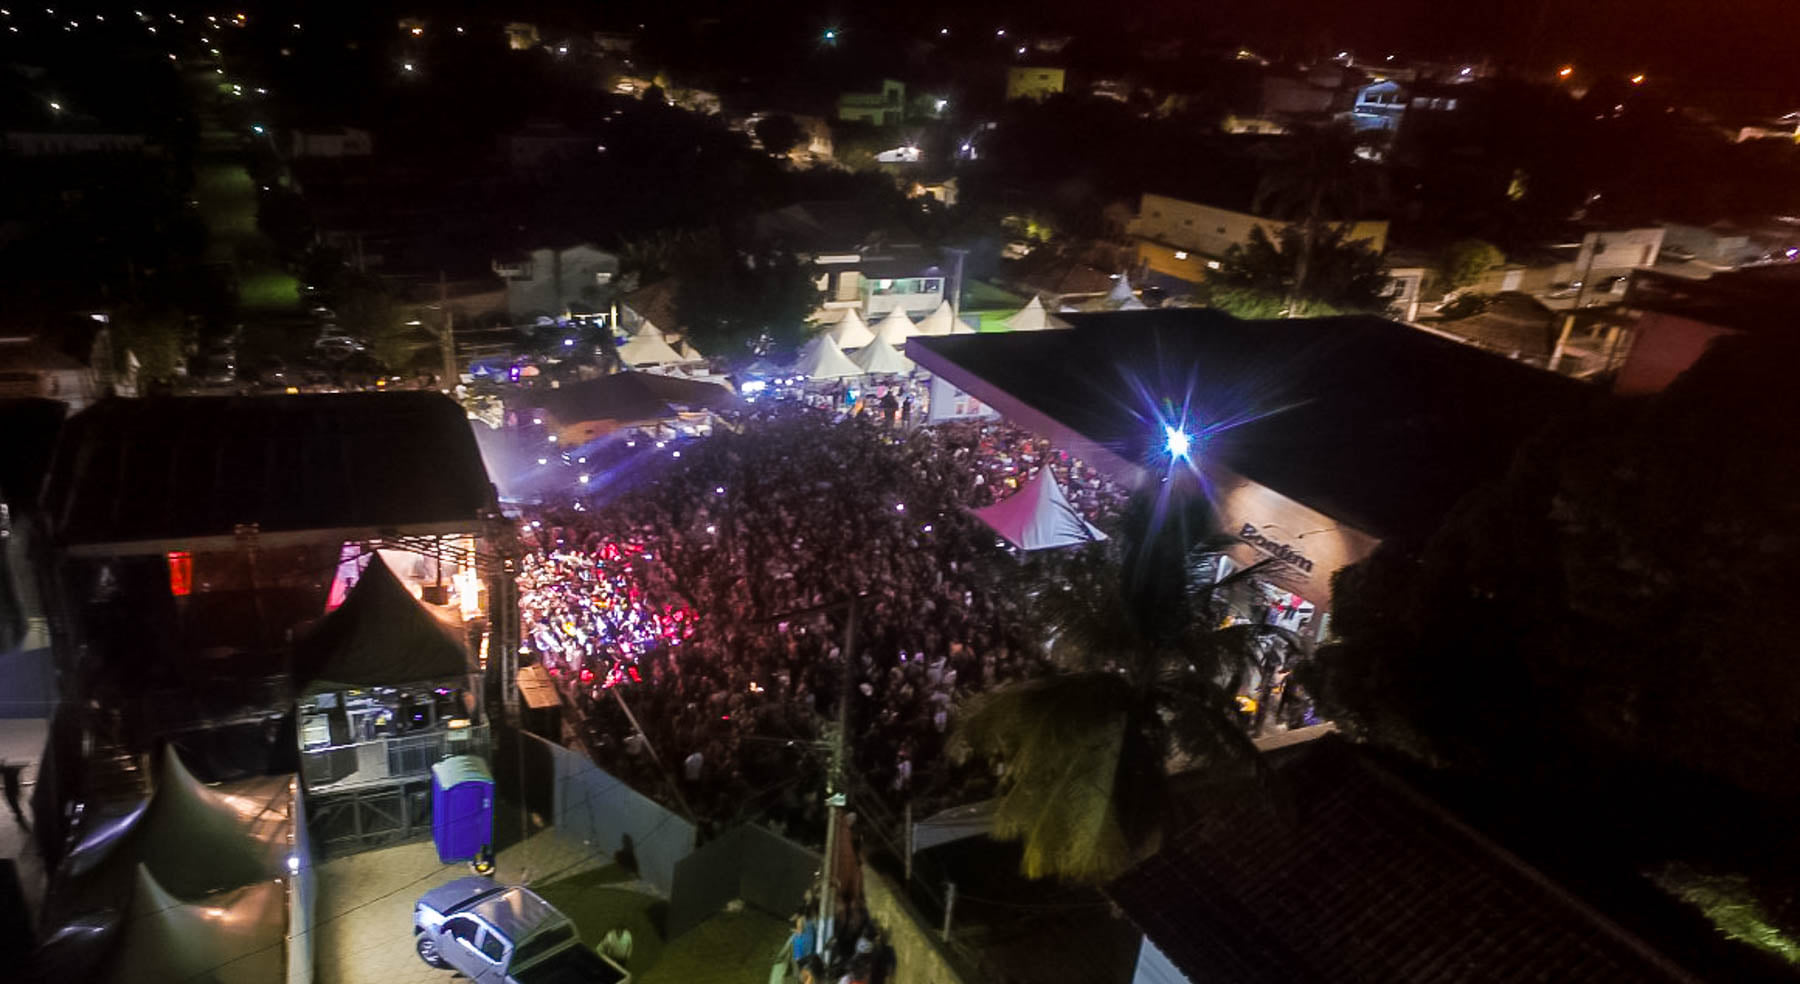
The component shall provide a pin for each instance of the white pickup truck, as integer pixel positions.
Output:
(493, 934)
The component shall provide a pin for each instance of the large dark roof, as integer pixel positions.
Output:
(1363, 879)
(1368, 421)
(630, 397)
(188, 468)
(1755, 299)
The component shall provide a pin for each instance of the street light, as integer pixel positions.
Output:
(1177, 442)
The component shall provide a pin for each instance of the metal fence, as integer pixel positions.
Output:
(385, 760)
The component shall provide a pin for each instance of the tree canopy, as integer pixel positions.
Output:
(1144, 677)
(1257, 278)
(733, 303)
(1465, 261)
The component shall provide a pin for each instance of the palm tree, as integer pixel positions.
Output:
(1145, 676)
(1314, 178)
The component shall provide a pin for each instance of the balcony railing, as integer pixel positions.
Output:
(388, 759)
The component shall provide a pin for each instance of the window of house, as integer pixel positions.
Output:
(1221, 230)
(1187, 222)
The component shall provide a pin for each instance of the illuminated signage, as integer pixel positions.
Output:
(1279, 551)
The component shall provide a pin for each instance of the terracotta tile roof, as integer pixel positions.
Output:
(656, 304)
(1359, 877)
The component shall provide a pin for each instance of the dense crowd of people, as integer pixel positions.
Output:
(706, 599)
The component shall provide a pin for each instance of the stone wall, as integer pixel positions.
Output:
(919, 956)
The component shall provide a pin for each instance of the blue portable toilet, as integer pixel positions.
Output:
(462, 807)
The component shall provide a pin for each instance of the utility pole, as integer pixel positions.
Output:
(1568, 327)
(956, 282)
(835, 780)
(447, 337)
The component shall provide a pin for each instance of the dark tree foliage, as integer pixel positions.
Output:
(736, 304)
(1614, 600)
(1257, 279)
(778, 133)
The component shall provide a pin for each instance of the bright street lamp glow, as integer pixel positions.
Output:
(1177, 441)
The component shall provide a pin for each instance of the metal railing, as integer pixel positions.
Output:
(387, 759)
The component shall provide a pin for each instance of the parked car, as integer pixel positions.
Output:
(338, 346)
(495, 934)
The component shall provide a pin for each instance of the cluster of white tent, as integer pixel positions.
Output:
(851, 347)
(649, 346)
(196, 883)
(1121, 298)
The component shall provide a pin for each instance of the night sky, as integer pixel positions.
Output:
(1722, 44)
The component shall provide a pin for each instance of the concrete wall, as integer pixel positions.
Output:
(1209, 230)
(747, 862)
(601, 811)
(919, 956)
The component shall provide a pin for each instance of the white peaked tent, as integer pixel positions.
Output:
(689, 353)
(1133, 304)
(939, 322)
(1121, 291)
(1039, 516)
(851, 333)
(225, 938)
(896, 328)
(197, 840)
(647, 348)
(1031, 317)
(879, 358)
(962, 327)
(822, 359)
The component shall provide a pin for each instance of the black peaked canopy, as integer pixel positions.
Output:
(381, 636)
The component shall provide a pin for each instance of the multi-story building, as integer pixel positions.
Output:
(857, 264)
(1033, 82)
(1181, 240)
(556, 282)
(886, 106)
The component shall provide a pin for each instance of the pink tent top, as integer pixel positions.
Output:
(1039, 516)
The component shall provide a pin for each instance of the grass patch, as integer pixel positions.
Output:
(270, 291)
(593, 900)
(729, 948)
